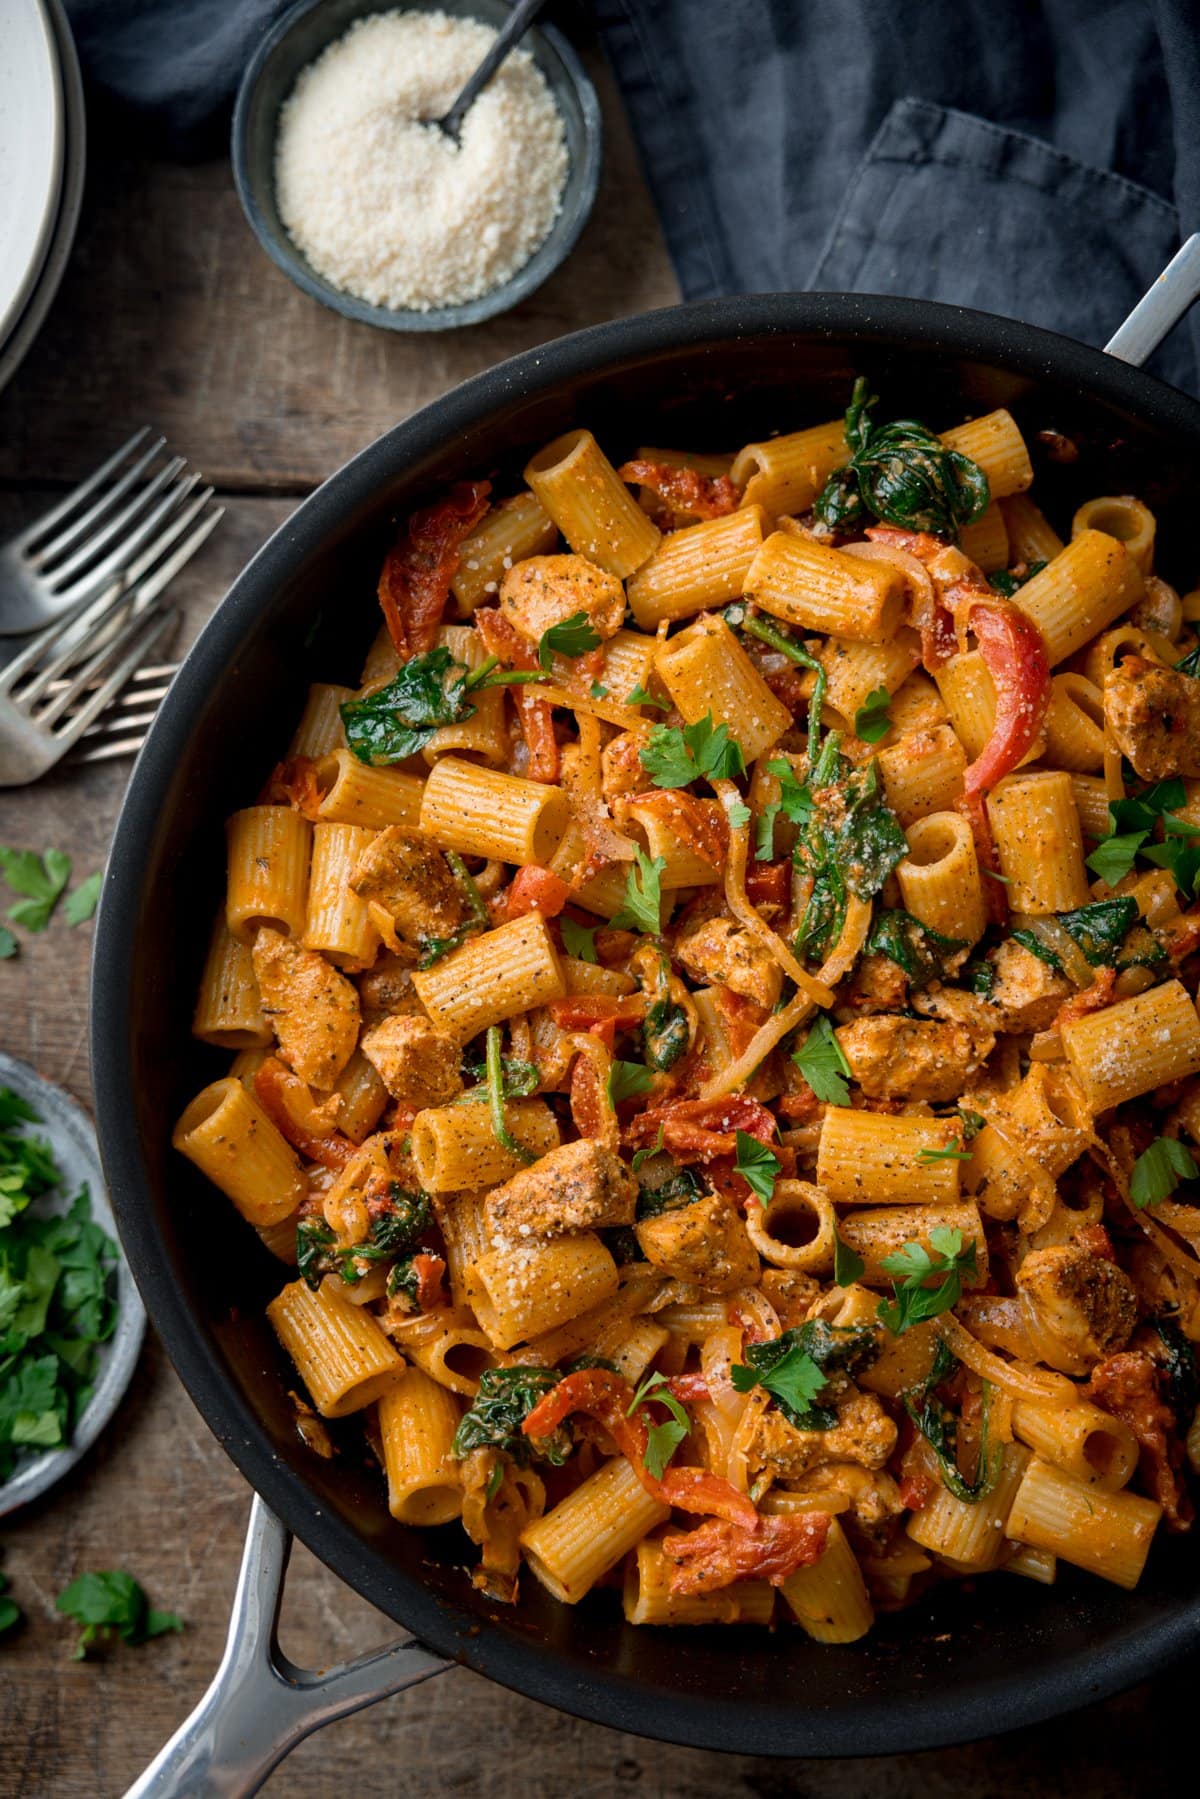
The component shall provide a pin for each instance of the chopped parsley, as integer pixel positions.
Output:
(637, 696)
(797, 1368)
(574, 636)
(913, 1269)
(40, 880)
(675, 757)
(1159, 1170)
(642, 908)
(848, 1265)
(1131, 826)
(758, 1166)
(111, 1603)
(823, 1064)
(872, 720)
(662, 1439)
(579, 940)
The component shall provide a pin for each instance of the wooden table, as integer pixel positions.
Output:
(171, 316)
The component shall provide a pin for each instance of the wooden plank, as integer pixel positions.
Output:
(171, 315)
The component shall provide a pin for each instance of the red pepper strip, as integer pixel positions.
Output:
(414, 583)
(740, 1017)
(1014, 654)
(955, 578)
(688, 1388)
(536, 718)
(584, 1011)
(916, 1490)
(294, 783)
(716, 1554)
(700, 824)
(703, 1129)
(606, 1398)
(536, 889)
(429, 1271)
(685, 490)
(288, 1104)
(1096, 1240)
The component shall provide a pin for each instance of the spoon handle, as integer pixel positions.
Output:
(517, 24)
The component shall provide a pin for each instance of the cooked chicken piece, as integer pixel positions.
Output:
(1078, 1307)
(621, 765)
(863, 1434)
(718, 949)
(312, 1007)
(577, 1187)
(387, 984)
(416, 1063)
(912, 1058)
(705, 1242)
(410, 880)
(1027, 993)
(1153, 714)
(791, 1293)
(877, 984)
(546, 590)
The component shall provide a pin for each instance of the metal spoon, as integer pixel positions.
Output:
(517, 24)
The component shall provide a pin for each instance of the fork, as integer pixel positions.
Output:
(67, 675)
(129, 509)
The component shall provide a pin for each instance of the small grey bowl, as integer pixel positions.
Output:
(295, 41)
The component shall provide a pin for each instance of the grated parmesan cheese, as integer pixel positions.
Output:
(390, 209)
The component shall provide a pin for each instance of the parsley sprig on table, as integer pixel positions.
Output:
(55, 1298)
(112, 1603)
(41, 881)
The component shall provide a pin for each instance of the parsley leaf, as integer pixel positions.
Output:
(1159, 1170)
(40, 878)
(8, 944)
(598, 690)
(662, 1440)
(674, 758)
(764, 841)
(797, 1367)
(625, 1079)
(738, 814)
(10, 1611)
(1114, 856)
(848, 1265)
(84, 900)
(871, 721)
(642, 910)
(757, 1164)
(573, 636)
(112, 1601)
(579, 940)
(637, 696)
(823, 1065)
(944, 1262)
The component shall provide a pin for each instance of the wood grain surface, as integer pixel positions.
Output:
(170, 315)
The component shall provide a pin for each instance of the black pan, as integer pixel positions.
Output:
(714, 375)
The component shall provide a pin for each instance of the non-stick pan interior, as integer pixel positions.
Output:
(999, 1652)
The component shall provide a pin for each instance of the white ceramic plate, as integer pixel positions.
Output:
(26, 327)
(31, 151)
(72, 1139)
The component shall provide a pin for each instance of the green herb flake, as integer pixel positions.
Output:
(579, 940)
(1159, 1170)
(8, 944)
(848, 1265)
(637, 696)
(798, 1368)
(626, 1080)
(758, 1166)
(41, 879)
(675, 757)
(642, 1156)
(872, 721)
(573, 636)
(495, 1087)
(642, 908)
(598, 690)
(823, 1064)
(662, 1439)
(111, 1603)
(913, 1269)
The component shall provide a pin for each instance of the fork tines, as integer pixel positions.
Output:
(130, 507)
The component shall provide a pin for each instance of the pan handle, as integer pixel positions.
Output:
(1177, 288)
(260, 1705)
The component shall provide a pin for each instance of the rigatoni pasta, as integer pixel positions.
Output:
(715, 1026)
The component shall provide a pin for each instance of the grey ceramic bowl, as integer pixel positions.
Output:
(295, 41)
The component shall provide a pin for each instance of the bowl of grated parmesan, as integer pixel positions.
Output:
(367, 205)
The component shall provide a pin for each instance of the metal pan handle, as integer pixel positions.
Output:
(260, 1705)
(1177, 288)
